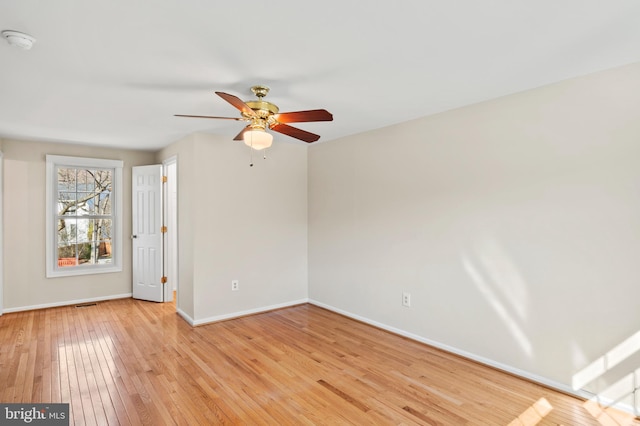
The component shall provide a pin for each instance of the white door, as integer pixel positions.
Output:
(147, 232)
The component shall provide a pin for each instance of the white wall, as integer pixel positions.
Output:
(25, 283)
(514, 224)
(240, 222)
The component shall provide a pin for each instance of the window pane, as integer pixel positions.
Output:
(66, 231)
(85, 180)
(103, 180)
(85, 203)
(85, 253)
(88, 203)
(93, 230)
(104, 229)
(104, 252)
(92, 254)
(67, 255)
(94, 240)
(94, 180)
(94, 204)
(85, 228)
(66, 203)
(94, 192)
(66, 179)
(103, 206)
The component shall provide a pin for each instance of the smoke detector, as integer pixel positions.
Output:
(18, 39)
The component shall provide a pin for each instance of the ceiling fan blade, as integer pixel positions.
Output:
(294, 132)
(208, 116)
(240, 136)
(237, 102)
(303, 116)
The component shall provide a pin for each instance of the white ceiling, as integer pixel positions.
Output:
(113, 73)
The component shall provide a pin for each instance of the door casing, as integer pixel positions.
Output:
(170, 167)
(1, 237)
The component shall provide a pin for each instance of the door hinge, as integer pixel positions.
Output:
(164, 179)
(163, 280)
(163, 229)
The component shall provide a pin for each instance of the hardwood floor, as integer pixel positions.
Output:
(132, 362)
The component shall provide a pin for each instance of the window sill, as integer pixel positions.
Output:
(89, 270)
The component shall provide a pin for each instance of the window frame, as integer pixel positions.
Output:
(53, 163)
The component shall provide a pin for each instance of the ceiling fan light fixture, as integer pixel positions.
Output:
(257, 139)
(18, 39)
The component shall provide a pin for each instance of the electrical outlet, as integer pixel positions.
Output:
(406, 299)
(235, 285)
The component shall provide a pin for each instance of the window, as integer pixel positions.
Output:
(84, 213)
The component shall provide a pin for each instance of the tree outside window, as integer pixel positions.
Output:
(84, 216)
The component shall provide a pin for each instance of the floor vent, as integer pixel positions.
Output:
(86, 305)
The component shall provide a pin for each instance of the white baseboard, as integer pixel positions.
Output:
(247, 312)
(67, 303)
(185, 317)
(482, 360)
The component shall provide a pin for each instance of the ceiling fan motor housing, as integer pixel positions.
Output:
(262, 108)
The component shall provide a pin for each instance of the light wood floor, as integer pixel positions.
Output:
(132, 362)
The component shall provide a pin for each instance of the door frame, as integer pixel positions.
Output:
(1, 236)
(170, 258)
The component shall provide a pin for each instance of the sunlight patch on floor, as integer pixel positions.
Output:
(608, 416)
(534, 414)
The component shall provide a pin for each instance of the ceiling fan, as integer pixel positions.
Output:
(262, 115)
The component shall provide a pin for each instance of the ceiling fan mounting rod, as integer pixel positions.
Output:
(260, 91)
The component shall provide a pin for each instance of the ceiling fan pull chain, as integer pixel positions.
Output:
(264, 154)
(251, 156)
